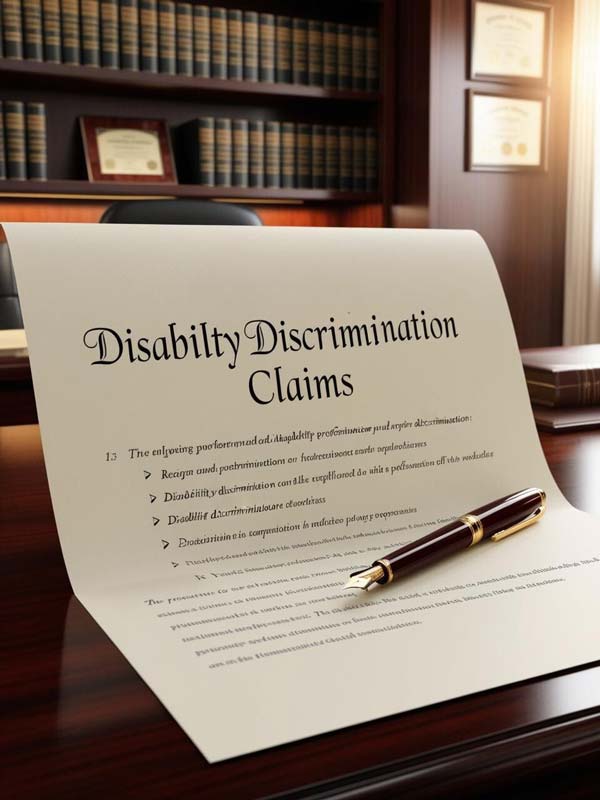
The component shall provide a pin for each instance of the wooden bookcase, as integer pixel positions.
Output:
(72, 91)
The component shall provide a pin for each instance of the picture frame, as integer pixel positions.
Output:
(126, 150)
(506, 132)
(510, 41)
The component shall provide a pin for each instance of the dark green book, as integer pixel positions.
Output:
(344, 57)
(223, 153)
(371, 60)
(332, 157)
(359, 69)
(345, 158)
(283, 49)
(109, 33)
(266, 47)
(51, 31)
(166, 37)
(90, 33)
(218, 43)
(32, 30)
(239, 133)
(318, 156)
(184, 41)
(315, 52)
(256, 148)
(303, 156)
(272, 155)
(201, 27)
(129, 34)
(288, 155)
(197, 139)
(37, 156)
(250, 45)
(235, 52)
(71, 42)
(358, 159)
(2, 150)
(330, 62)
(299, 51)
(14, 129)
(149, 35)
(371, 164)
(12, 29)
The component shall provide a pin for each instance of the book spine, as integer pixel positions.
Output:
(129, 34)
(303, 156)
(330, 62)
(345, 133)
(166, 37)
(184, 46)
(371, 60)
(299, 51)
(2, 149)
(12, 32)
(218, 42)
(201, 25)
(344, 57)
(149, 35)
(14, 126)
(223, 151)
(235, 38)
(51, 31)
(288, 155)
(109, 33)
(266, 47)
(315, 52)
(283, 49)
(90, 33)
(1, 41)
(359, 74)
(239, 132)
(32, 30)
(69, 14)
(318, 156)
(272, 155)
(250, 45)
(358, 159)
(371, 163)
(256, 147)
(37, 156)
(206, 150)
(332, 157)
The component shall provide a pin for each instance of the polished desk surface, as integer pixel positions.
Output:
(77, 721)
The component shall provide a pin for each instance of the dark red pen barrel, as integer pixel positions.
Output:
(436, 546)
(507, 511)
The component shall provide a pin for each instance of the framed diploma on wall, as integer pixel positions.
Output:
(127, 150)
(506, 133)
(510, 41)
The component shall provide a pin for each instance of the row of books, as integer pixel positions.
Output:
(23, 152)
(217, 151)
(190, 39)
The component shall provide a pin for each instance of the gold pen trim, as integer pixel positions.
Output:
(476, 527)
(533, 517)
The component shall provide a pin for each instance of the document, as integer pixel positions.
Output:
(234, 419)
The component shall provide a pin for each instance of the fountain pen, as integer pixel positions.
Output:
(494, 521)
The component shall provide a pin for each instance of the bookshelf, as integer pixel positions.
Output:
(70, 91)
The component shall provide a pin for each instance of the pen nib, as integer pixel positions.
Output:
(365, 578)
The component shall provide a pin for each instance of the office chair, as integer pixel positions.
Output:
(10, 309)
(179, 212)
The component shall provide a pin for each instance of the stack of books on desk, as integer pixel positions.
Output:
(564, 386)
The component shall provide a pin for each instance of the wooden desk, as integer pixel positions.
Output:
(77, 721)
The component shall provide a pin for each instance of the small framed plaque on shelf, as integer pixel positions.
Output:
(510, 41)
(127, 150)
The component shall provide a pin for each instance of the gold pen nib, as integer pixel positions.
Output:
(365, 578)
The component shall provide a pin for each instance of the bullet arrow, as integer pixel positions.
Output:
(155, 520)
(152, 498)
(165, 544)
(146, 474)
(175, 564)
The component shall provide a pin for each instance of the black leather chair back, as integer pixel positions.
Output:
(179, 212)
(10, 309)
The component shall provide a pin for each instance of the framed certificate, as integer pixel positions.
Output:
(506, 133)
(124, 150)
(510, 41)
